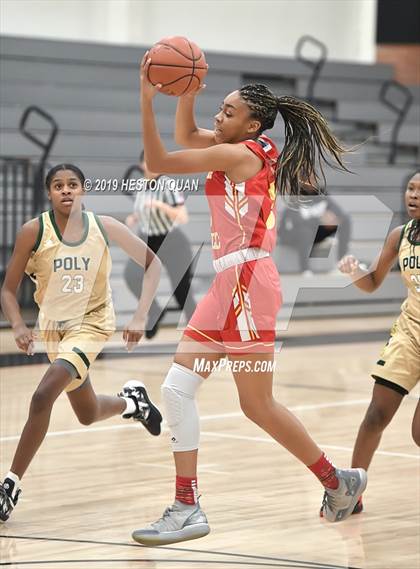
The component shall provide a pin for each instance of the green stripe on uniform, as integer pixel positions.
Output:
(102, 228)
(40, 232)
(85, 219)
(82, 356)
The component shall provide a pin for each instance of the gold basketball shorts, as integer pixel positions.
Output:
(399, 360)
(78, 341)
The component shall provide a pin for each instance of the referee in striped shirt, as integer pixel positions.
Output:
(159, 210)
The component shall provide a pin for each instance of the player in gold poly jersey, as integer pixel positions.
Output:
(65, 252)
(397, 370)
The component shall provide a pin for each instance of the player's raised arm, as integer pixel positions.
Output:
(187, 133)
(141, 254)
(25, 242)
(229, 158)
(371, 279)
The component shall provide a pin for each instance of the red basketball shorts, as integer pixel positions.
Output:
(238, 313)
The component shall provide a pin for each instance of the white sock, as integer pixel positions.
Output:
(16, 481)
(131, 406)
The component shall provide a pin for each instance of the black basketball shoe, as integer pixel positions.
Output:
(146, 412)
(7, 500)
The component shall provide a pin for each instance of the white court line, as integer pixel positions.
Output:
(229, 436)
(311, 407)
(328, 405)
(203, 418)
(74, 432)
(383, 452)
(272, 441)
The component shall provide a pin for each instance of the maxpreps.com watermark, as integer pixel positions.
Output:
(141, 185)
(235, 366)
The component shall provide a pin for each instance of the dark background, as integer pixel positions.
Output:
(398, 21)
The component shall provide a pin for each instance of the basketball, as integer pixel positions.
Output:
(178, 64)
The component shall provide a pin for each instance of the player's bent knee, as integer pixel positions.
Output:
(178, 396)
(41, 400)
(87, 418)
(252, 413)
(248, 409)
(257, 411)
(376, 418)
(172, 400)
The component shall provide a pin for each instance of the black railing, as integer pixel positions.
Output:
(22, 192)
(315, 64)
(400, 110)
(38, 181)
(16, 191)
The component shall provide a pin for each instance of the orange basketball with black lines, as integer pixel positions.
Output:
(178, 64)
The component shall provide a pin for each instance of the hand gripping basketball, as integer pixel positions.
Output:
(176, 66)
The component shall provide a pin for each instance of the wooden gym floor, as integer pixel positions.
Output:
(89, 487)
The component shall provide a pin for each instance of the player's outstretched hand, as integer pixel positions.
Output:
(348, 265)
(147, 89)
(24, 339)
(133, 333)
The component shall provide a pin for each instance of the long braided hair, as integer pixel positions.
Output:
(413, 235)
(414, 231)
(309, 142)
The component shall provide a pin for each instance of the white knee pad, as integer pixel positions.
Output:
(178, 395)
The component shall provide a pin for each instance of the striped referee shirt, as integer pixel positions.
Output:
(153, 221)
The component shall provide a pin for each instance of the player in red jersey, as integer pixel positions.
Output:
(243, 223)
(237, 316)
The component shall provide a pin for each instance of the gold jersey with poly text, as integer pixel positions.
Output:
(409, 261)
(76, 316)
(71, 278)
(399, 361)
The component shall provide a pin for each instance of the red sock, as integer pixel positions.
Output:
(186, 490)
(324, 470)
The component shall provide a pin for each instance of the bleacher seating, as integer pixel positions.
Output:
(92, 92)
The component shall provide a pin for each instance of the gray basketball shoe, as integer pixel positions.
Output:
(180, 522)
(339, 504)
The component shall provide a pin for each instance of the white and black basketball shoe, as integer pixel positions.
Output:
(8, 498)
(146, 412)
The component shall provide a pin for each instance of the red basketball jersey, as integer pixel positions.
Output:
(243, 215)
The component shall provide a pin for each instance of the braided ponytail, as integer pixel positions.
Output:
(309, 142)
(309, 145)
(414, 232)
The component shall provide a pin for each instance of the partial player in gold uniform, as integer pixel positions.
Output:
(397, 370)
(65, 251)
